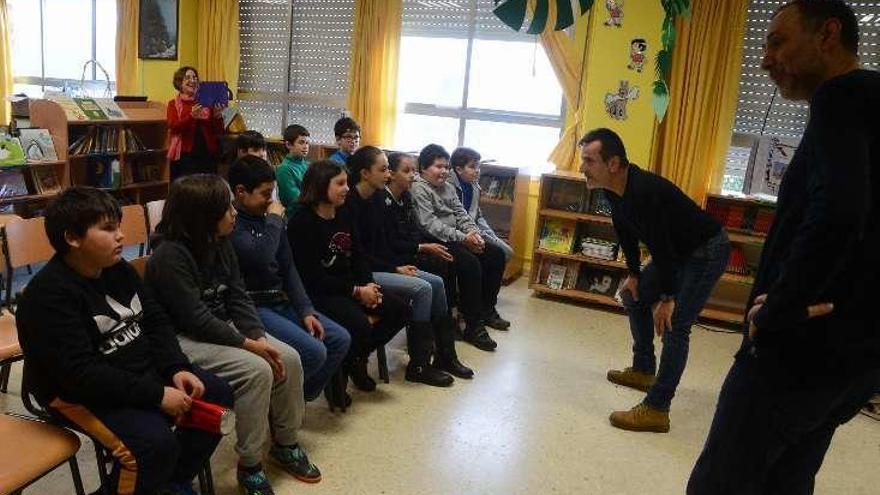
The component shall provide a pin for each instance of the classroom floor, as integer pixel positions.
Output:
(534, 420)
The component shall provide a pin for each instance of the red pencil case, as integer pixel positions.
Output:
(209, 417)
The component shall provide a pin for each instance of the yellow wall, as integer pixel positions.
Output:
(607, 59)
(156, 74)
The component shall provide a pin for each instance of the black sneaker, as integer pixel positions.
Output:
(478, 337)
(494, 320)
(295, 461)
(254, 483)
(454, 367)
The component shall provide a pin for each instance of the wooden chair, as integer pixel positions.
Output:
(134, 227)
(24, 243)
(10, 350)
(31, 449)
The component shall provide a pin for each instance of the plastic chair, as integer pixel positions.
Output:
(24, 243)
(31, 450)
(10, 350)
(134, 227)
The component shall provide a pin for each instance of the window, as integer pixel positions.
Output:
(294, 64)
(52, 40)
(760, 109)
(466, 79)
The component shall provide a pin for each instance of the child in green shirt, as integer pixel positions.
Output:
(292, 169)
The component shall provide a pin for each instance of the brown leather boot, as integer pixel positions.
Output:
(631, 378)
(641, 418)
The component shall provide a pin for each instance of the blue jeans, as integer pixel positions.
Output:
(425, 292)
(320, 359)
(697, 276)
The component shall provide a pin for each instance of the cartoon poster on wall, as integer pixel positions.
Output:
(638, 49)
(770, 162)
(615, 103)
(615, 13)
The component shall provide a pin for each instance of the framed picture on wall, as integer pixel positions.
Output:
(157, 29)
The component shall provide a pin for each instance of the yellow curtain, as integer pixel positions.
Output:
(566, 56)
(5, 63)
(128, 74)
(372, 94)
(218, 41)
(694, 137)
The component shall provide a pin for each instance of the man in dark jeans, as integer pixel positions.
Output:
(811, 356)
(689, 252)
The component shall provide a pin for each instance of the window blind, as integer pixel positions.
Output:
(294, 67)
(787, 118)
(454, 18)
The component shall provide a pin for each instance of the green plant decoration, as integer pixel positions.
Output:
(513, 14)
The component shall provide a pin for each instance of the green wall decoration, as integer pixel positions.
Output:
(513, 14)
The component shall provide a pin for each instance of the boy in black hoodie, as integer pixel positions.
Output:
(101, 353)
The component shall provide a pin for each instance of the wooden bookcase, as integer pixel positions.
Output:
(506, 212)
(726, 304)
(145, 119)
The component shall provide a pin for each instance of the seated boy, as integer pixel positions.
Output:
(271, 278)
(479, 265)
(348, 138)
(101, 353)
(465, 162)
(292, 169)
(250, 143)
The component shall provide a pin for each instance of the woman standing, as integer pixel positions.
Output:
(193, 129)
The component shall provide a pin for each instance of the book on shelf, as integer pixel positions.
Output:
(566, 195)
(106, 139)
(44, 179)
(599, 204)
(103, 172)
(12, 183)
(558, 274)
(737, 262)
(497, 187)
(598, 248)
(598, 280)
(38, 144)
(556, 277)
(11, 153)
(110, 108)
(557, 235)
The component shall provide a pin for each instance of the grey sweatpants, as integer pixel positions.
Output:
(257, 395)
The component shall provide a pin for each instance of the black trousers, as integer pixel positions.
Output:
(393, 315)
(148, 451)
(479, 280)
(770, 433)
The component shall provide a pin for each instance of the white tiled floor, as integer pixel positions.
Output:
(533, 421)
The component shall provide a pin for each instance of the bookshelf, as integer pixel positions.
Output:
(503, 201)
(568, 212)
(143, 173)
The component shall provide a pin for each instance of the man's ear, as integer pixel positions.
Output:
(72, 239)
(829, 32)
(614, 164)
(239, 190)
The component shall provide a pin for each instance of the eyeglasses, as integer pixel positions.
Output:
(351, 137)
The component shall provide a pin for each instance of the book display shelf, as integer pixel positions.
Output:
(577, 255)
(503, 200)
(126, 156)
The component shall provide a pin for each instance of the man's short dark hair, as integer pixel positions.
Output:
(361, 160)
(345, 124)
(395, 158)
(250, 171)
(430, 153)
(76, 210)
(293, 132)
(250, 140)
(462, 156)
(814, 13)
(317, 179)
(612, 145)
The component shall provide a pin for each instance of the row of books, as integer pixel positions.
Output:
(106, 172)
(25, 181)
(575, 197)
(737, 216)
(498, 187)
(106, 139)
(568, 275)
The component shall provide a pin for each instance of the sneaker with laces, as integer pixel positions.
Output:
(254, 483)
(641, 418)
(295, 461)
(632, 378)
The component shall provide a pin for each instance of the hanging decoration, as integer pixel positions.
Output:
(615, 102)
(663, 62)
(637, 50)
(615, 13)
(513, 14)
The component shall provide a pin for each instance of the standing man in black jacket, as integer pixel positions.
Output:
(811, 356)
(689, 251)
